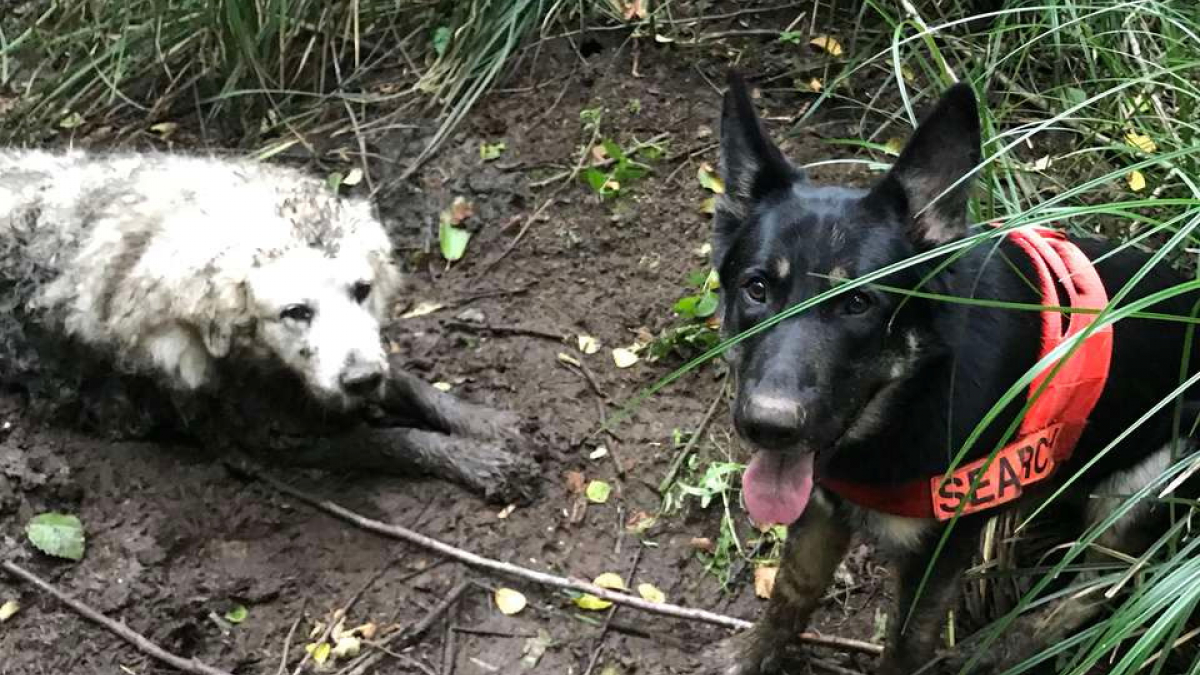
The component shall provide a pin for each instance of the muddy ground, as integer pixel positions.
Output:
(175, 540)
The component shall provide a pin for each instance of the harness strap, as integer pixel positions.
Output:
(1053, 423)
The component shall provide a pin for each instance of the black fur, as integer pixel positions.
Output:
(886, 389)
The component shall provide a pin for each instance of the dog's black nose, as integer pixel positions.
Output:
(361, 381)
(771, 422)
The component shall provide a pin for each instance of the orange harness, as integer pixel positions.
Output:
(1053, 423)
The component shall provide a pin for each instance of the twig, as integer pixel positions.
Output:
(691, 443)
(467, 299)
(287, 642)
(395, 641)
(504, 330)
(637, 558)
(449, 649)
(340, 613)
(478, 561)
(119, 629)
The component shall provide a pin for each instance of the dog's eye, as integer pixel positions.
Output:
(756, 290)
(302, 313)
(361, 290)
(856, 303)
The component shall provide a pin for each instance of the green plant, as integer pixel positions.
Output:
(622, 169)
(697, 330)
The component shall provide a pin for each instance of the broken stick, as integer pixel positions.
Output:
(475, 560)
(122, 631)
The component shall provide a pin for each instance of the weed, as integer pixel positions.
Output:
(697, 330)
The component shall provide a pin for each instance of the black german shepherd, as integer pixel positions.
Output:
(881, 389)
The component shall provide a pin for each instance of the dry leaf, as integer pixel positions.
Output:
(575, 482)
(442, 386)
(510, 602)
(610, 580)
(816, 85)
(827, 43)
(354, 177)
(1141, 142)
(1137, 182)
(599, 452)
(460, 210)
(8, 609)
(319, 653)
(702, 544)
(634, 10)
(588, 344)
(704, 251)
(1042, 163)
(506, 511)
(709, 179)
(599, 154)
(164, 129)
(764, 581)
(709, 206)
(589, 601)
(568, 359)
(639, 522)
(347, 647)
(651, 593)
(367, 630)
(422, 309)
(907, 73)
(893, 146)
(624, 357)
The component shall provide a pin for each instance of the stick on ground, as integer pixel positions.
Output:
(474, 560)
(122, 631)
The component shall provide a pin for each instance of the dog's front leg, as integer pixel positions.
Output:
(816, 544)
(410, 396)
(916, 628)
(488, 467)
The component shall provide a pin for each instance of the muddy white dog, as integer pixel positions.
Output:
(236, 302)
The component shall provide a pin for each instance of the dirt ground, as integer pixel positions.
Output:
(175, 540)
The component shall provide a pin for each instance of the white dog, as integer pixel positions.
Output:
(241, 293)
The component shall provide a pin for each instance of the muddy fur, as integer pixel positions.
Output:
(233, 302)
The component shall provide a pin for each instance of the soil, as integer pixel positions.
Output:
(174, 540)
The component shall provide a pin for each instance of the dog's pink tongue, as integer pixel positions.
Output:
(776, 486)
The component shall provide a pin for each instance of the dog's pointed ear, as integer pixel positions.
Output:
(223, 314)
(751, 165)
(928, 186)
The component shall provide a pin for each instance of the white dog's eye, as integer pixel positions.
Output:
(302, 313)
(361, 290)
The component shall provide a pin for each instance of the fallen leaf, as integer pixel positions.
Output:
(610, 669)
(367, 630)
(57, 534)
(610, 580)
(599, 452)
(354, 177)
(71, 121)
(704, 251)
(442, 386)
(639, 522)
(709, 205)
(422, 308)
(237, 614)
(1042, 163)
(764, 581)
(347, 647)
(8, 609)
(599, 154)
(568, 359)
(589, 601)
(575, 482)
(490, 151)
(452, 240)
(651, 593)
(709, 179)
(893, 146)
(1141, 142)
(659, 37)
(535, 648)
(634, 10)
(827, 43)
(510, 602)
(588, 344)
(319, 653)
(624, 357)
(907, 73)
(460, 210)
(702, 544)
(598, 491)
(1137, 182)
(506, 511)
(164, 129)
(815, 84)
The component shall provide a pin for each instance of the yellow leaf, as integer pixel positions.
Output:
(1137, 182)
(354, 177)
(589, 601)
(8, 609)
(829, 44)
(367, 630)
(1141, 142)
(319, 653)
(907, 73)
(588, 344)
(442, 386)
(610, 580)
(709, 206)
(422, 309)
(893, 146)
(649, 592)
(164, 129)
(709, 180)
(624, 357)
(764, 581)
(815, 84)
(509, 601)
(347, 647)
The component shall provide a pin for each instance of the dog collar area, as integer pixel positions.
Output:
(1054, 420)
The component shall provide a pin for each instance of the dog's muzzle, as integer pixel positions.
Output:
(362, 380)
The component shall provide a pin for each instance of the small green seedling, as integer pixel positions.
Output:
(624, 170)
(697, 330)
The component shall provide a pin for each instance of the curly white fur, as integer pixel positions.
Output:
(172, 263)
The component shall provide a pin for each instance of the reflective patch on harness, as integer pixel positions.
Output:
(1026, 461)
